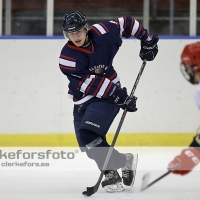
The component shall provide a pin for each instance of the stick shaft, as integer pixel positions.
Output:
(92, 190)
(123, 117)
(150, 184)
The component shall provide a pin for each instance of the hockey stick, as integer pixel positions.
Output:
(91, 190)
(145, 180)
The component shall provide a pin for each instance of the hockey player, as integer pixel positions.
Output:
(94, 85)
(190, 67)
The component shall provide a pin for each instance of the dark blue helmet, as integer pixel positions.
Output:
(74, 21)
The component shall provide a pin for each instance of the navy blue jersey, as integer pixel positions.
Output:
(89, 70)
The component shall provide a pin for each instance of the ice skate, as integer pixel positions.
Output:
(129, 171)
(112, 182)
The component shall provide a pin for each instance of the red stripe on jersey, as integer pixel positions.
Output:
(88, 88)
(124, 25)
(132, 24)
(146, 36)
(138, 31)
(113, 76)
(107, 89)
(81, 49)
(100, 84)
(67, 68)
(80, 83)
(96, 30)
(117, 21)
(67, 57)
(104, 27)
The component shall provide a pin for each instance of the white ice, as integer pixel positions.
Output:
(67, 179)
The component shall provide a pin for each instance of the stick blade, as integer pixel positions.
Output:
(91, 190)
(145, 181)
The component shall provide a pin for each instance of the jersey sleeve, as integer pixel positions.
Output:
(124, 26)
(82, 84)
(129, 26)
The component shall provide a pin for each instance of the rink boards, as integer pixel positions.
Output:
(35, 110)
(62, 140)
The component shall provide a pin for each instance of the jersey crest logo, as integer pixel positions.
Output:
(99, 69)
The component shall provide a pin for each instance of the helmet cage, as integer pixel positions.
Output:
(188, 73)
(65, 33)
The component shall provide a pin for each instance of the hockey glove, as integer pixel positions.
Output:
(124, 101)
(185, 162)
(149, 49)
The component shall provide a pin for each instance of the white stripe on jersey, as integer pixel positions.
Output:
(67, 63)
(117, 79)
(103, 88)
(70, 96)
(99, 94)
(86, 98)
(121, 24)
(135, 27)
(100, 28)
(86, 83)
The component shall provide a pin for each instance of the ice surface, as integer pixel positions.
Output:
(66, 179)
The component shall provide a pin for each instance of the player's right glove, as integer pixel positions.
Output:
(185, 162)
(149, 49)
(121, 98)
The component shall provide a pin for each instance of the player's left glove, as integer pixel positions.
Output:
(121, 98)
(185, 162)
(149, 49)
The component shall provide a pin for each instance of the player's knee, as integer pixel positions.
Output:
(87, 136)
